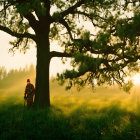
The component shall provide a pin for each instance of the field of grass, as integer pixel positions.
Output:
(105, 114)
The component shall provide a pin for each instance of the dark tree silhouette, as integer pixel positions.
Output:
(105, 53)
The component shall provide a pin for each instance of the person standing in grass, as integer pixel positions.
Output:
(29, 93)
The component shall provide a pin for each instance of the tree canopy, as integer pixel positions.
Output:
(105, 52)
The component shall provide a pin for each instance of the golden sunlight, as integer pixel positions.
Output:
(136, 79)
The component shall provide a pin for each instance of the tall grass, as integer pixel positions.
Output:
(112, 122)
(106, 114)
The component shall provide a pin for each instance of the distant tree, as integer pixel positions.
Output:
(14, 76)
(105, 53)
(3, 73)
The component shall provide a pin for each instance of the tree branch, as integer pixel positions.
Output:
(59, 54)
(15, 34)
(63, 22)
(91, 17)
(72, 8)
(32, 20)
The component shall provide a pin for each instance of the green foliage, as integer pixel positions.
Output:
(128, 86)
(129, 29)
(28, 7)
(114, 51)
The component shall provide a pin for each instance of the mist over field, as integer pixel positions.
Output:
(12, 88)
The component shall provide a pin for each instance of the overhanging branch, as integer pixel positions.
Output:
(15, 34)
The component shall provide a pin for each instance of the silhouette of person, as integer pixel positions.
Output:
(29, 93)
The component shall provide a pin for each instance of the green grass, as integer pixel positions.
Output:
(110, 123)
(106, 114)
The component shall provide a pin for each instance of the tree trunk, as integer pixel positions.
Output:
(42, 96)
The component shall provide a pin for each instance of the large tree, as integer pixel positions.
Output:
(104, 52)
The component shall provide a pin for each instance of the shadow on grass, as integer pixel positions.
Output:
(16, 122)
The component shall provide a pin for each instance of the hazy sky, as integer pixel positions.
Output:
(18, 60)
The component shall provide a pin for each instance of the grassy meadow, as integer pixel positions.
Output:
(102, 114)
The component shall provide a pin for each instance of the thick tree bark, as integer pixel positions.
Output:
(42, 96)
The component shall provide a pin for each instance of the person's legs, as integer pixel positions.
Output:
(29, 101)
